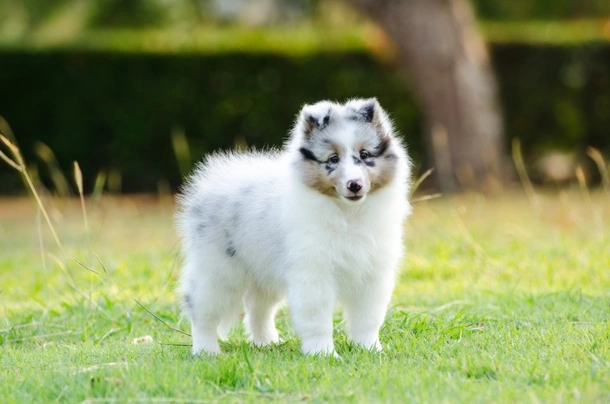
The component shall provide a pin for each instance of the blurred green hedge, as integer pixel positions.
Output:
(117, 111)
(555, 97)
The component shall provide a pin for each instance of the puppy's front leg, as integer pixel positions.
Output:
(312, 302)
(365, 309)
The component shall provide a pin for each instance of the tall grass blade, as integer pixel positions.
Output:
(598, 158)
(584, 189)
(48, 157)
(159, 319)
(181, 150)
(72, 284)
(88, 268)
(582, 182)
(426, 198)
(418, 183)
(244, 350)
(420, 180)
(18, 158)
(522, 172)
(40, 240)
(6, 130)
(175, 343)
(98, 185)
(101, 263)
(9, 161)
(16, 164)
(78, 178)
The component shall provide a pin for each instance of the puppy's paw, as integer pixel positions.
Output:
(211, 350)
(318, 347)
(270, 337)
(374, 346)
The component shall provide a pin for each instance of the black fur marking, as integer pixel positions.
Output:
(368, 111)
(230, 251)
(382, 147)
(326, 119)
(390, 156)
(318, 122)
(308, 155)
(370, 162)
(330, 168)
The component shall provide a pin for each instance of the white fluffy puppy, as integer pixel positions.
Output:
(319, 222)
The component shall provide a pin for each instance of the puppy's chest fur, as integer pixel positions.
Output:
(348, 245)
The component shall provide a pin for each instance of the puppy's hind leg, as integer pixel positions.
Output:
(261, 306)
(213, 299)
(228, 321)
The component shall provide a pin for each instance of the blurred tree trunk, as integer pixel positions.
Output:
(439, 44)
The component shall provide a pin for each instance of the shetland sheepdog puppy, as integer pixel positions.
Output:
(317, 223)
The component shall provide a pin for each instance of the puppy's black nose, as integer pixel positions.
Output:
(354, 185)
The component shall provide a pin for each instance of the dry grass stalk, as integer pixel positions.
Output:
(60, 182)
(18, 163)
(78, 178)
(417, 184)
(181, 150)
(21, 167)
(522, 172)
(598, 158)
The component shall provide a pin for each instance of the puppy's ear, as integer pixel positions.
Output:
(367, 109)
(315, 117)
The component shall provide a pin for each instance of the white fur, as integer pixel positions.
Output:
(253, 230)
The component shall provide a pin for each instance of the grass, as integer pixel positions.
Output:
(498, 301)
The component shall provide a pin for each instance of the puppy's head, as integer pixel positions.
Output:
(345, 151)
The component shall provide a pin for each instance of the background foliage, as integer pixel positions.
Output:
(113, 83)
(540, 9)
(117, 111)
(155, 13)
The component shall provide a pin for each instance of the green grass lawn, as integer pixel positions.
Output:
(499, 300)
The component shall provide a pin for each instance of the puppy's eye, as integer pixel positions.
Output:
(364, 154)
(334, 159)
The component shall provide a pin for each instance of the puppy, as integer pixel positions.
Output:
(317, 223)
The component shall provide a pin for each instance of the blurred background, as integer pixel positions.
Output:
(137, 91)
